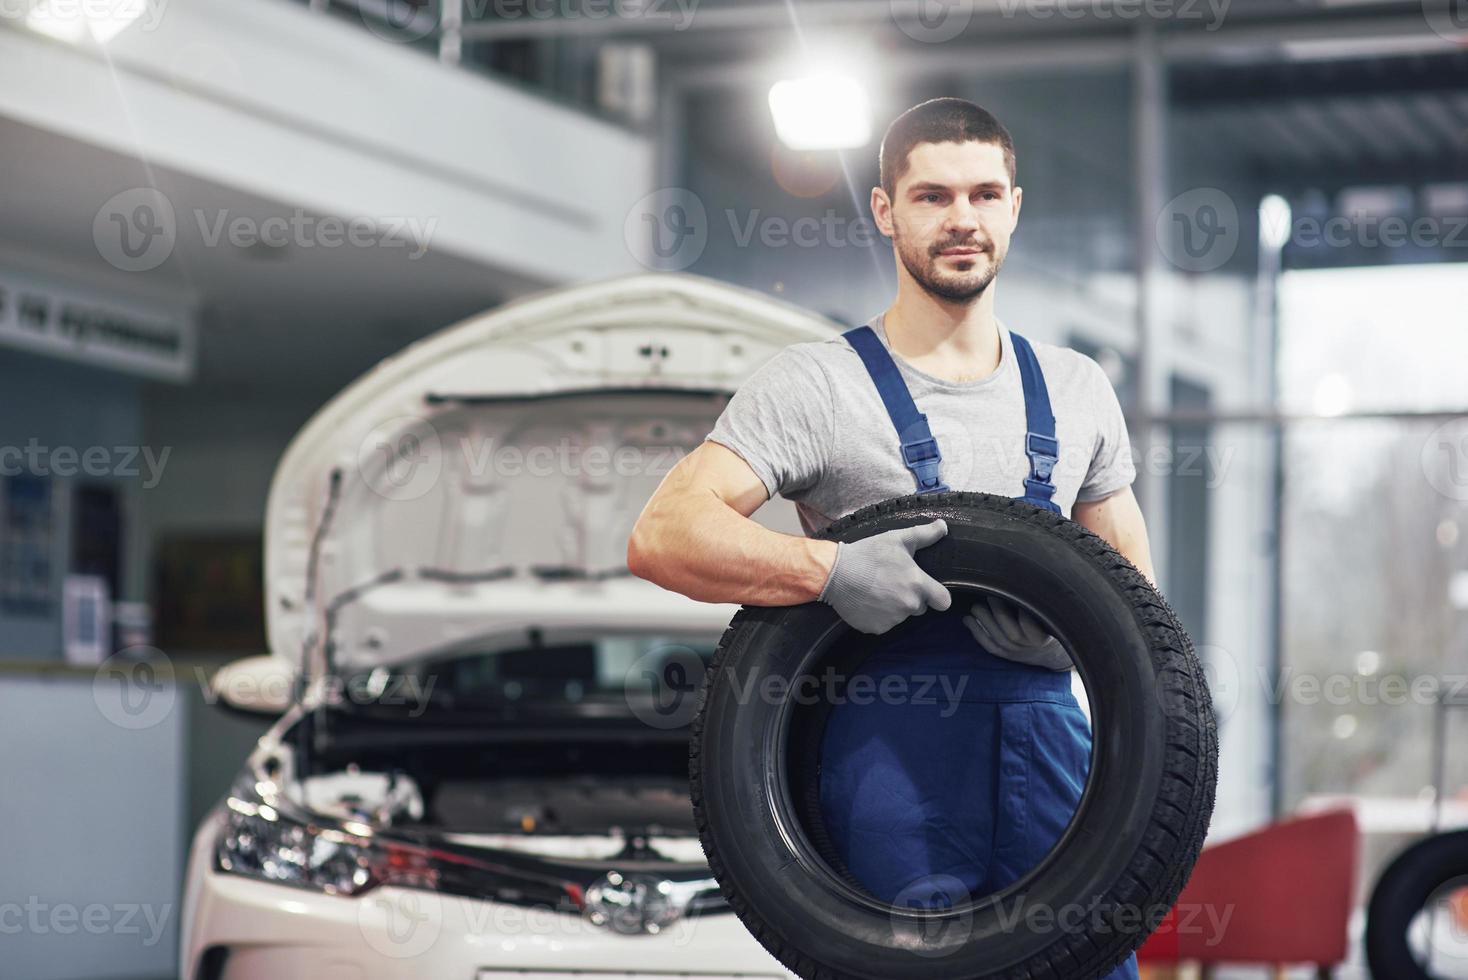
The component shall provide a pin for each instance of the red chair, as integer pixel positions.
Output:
(1279, 895)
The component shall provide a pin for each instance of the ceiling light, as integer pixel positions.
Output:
(822, 111)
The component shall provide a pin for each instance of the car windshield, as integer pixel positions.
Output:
(611, 671)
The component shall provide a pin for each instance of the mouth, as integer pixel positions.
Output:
(960, 252)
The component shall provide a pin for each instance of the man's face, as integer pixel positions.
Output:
(952, 217)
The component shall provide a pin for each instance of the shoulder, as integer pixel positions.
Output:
(1067, 366)
(796, 368)
(819, 358)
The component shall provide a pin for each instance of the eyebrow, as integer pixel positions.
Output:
(928, 185)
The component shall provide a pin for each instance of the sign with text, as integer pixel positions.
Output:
(82, 325)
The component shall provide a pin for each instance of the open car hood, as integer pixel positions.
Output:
(486, 478)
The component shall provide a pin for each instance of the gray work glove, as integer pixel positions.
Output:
(875, 584)
(1006, 630)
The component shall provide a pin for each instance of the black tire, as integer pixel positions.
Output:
(1121, 862)
(1402, 891)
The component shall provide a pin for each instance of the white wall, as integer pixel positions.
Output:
(93, 815)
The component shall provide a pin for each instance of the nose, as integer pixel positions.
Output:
(961, 226)
(961, 218)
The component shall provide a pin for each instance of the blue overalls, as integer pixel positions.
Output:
(959, 783)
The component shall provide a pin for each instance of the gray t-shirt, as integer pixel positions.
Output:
(809, 421)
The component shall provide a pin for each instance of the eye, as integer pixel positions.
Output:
(928, 195)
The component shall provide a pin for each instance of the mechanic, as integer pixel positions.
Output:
(932, 394)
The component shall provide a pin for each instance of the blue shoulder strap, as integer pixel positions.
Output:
(1040, 443)
(919, 449)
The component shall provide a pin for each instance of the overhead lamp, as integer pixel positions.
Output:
(821, 111)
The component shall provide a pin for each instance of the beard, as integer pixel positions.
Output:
(955, 286)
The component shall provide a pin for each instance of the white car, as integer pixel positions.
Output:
(480, 766)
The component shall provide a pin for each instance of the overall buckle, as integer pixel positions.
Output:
(920, 451)
(1044, 453)
(922, 456)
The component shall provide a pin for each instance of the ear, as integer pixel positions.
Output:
(1019, 193)
(882, 211)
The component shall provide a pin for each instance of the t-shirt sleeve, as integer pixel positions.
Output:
(1112, 467)
(781, 421)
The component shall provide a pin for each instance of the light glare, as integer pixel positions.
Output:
(825, 111)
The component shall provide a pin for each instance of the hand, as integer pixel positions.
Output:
(1008, 631)
(875, 583)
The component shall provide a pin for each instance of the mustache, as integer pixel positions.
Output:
(985, 247)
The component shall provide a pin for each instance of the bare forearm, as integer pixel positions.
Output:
(695, 544)
(1119, 520)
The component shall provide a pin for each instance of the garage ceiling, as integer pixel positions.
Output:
(302, 320)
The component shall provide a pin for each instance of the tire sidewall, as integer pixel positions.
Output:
(773, 861)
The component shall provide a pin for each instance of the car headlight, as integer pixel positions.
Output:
(269, 837)
(262, 838)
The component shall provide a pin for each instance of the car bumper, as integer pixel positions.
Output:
(283, 933)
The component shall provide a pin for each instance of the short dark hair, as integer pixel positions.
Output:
(945, 120)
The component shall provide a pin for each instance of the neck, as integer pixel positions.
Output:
(954, 341)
